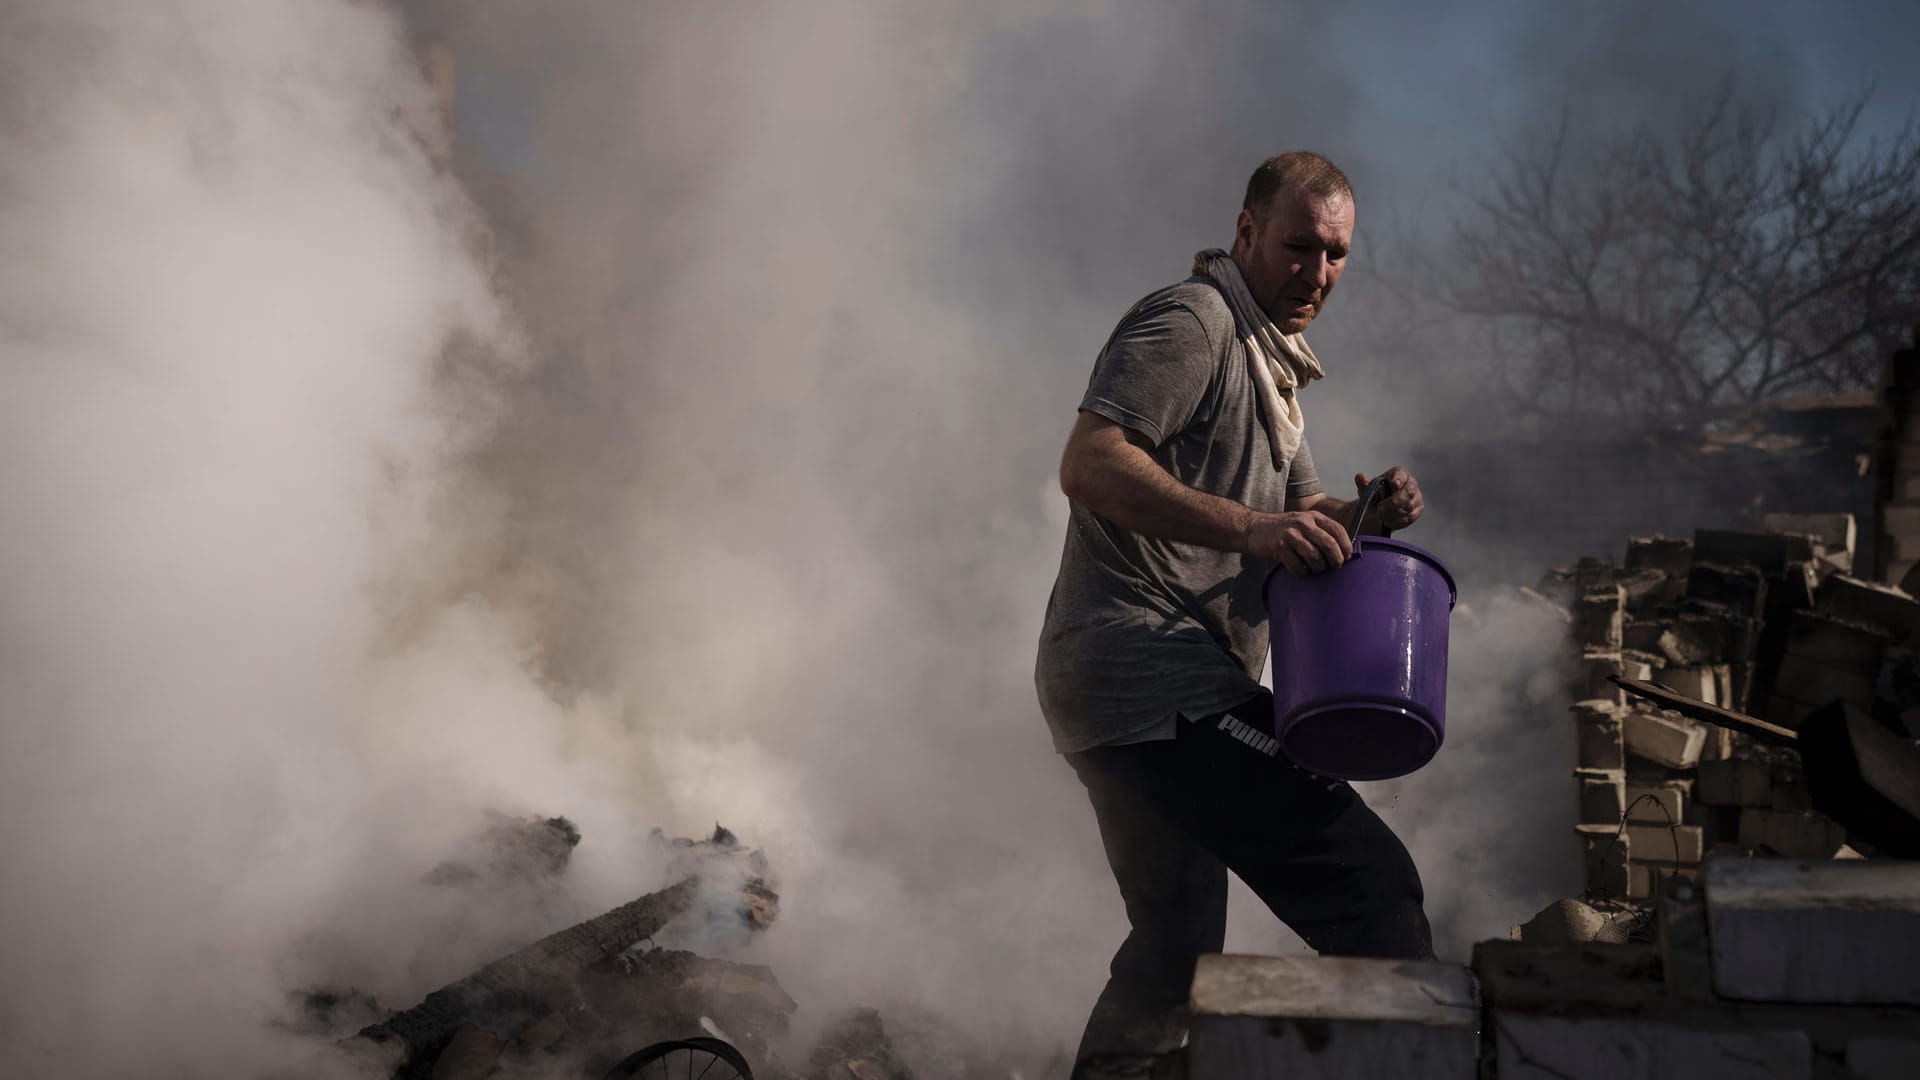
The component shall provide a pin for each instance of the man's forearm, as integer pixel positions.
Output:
(1131, 490)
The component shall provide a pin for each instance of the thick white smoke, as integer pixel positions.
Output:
(237, 726)
(306, 561)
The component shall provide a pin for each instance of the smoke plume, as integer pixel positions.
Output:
(668, 440)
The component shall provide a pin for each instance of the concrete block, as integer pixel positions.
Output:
(1836, 534)
(1791, 834)
(1656, 804)
(1679, 844)
(1672, 557)
(1663, 738)
(1699, 682)
(1597, 731)
(1590, 573)
(1693, 639)
(1600, 618)
(1540, 1047)
(1739, 782)
(1769, 552)
(1643, 590)
(1844, 932)
(1866, 602)
(1639, 665)
(1740, 589)
(1835, 642)
(1327, 1016)
(1602, 795)
(1519, 977)
(1604, 851)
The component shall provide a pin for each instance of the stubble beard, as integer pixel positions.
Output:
(1294, 324)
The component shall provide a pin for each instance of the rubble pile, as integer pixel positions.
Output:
(581, 1001)
(1766, 623)
(628, 993)
(591, 994)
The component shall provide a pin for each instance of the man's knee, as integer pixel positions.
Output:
(1358, 893)
(1390, 902)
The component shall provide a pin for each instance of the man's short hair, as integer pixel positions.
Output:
(1302, 169)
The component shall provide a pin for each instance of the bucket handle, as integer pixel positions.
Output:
(1373, 491)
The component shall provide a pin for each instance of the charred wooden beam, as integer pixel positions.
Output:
(548, 966)
(1711, 714)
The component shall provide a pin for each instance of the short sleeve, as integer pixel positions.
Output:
(1302, 478)
(1154, 372)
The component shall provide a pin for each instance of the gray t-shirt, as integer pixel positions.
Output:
(1140, 629)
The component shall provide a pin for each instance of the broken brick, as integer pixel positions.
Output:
(1663, 738)
(1681, 844)
(1869, 603)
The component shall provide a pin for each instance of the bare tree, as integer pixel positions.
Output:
(1647, 275)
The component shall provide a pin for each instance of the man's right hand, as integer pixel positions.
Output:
(1305, 542)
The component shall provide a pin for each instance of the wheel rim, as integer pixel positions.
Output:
(683, 1059)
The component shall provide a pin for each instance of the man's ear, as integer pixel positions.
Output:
(1243, 229)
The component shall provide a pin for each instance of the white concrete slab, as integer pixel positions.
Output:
(1838, 932)
(1534, 1047)
(1331, 1017)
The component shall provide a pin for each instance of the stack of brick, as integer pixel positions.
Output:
(1761, 622)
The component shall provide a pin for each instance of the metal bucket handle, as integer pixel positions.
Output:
(1373, 491)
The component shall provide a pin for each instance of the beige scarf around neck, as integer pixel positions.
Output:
(1281, 363)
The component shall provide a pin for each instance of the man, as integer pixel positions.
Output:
(1189, 478)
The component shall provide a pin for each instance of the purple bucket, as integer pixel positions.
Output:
(1360, 661)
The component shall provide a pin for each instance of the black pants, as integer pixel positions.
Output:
(1176, 815)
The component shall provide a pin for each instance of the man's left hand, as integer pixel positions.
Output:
(1400, 505)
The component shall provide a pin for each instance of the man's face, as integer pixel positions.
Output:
(1292, 252)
